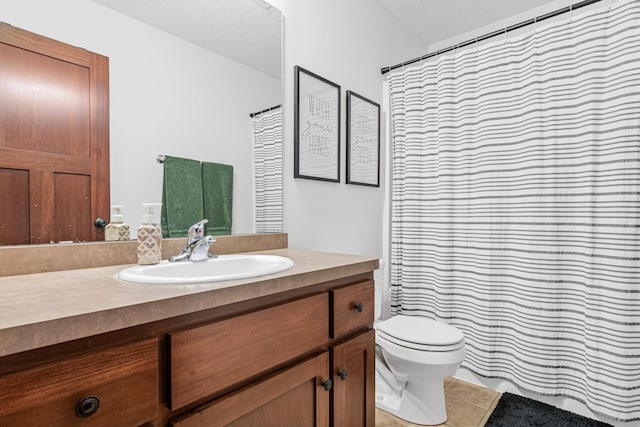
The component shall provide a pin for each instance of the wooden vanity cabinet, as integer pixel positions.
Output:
(332, 388)
(303, 357)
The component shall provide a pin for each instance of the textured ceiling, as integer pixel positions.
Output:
(249, 31)
(246, 31)
(436, 20)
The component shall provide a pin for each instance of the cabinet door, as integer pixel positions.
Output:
(354, 381)
(293, 397)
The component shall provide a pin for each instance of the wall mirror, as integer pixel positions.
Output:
(182, 82)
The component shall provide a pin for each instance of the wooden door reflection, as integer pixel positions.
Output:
(54, 139)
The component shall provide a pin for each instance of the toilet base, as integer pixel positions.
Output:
(410, 376)
(417, 402)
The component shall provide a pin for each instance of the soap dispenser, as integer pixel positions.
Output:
(117, 229)
(150, 235)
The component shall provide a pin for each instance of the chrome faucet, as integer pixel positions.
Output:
(198, 245)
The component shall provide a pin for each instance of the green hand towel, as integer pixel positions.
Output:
(181, 196)
(217, 186)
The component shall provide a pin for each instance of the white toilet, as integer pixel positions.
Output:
(413, 357)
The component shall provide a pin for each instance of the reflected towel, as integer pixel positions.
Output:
(217, 186)
(181, 196)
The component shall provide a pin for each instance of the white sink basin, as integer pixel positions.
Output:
(225, 267)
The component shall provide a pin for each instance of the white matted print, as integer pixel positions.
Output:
(363, 140)
(316, 127)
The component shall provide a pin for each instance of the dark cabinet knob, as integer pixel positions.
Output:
(87, 406)
(358, 307)
(100, 222)
(327, 384)
(342, 373)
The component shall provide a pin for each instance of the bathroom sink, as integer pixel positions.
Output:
(225, 267)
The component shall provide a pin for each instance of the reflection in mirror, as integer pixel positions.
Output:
(54, 139)
(268, 167)
(181, 82)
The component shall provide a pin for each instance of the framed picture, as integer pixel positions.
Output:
(316, 127)
(363, 141)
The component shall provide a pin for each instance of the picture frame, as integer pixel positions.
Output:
(316, 127)
(363, 140)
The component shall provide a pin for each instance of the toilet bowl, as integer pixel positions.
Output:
(413, 357)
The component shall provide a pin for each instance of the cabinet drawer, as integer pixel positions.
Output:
(210, 358)
(353, 308)
(123, 379)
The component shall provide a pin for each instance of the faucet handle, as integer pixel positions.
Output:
(196, 231)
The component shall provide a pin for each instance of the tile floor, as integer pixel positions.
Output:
(468, 405)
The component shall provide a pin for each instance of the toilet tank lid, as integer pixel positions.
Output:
(420, 330)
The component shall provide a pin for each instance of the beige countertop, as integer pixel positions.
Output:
(42, 309)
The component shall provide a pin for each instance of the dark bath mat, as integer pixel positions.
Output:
(517, 411)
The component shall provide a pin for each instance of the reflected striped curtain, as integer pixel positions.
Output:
(516, 205)
(267, 158)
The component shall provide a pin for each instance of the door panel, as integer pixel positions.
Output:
(54, 124)
(299, 401)
(71, 207)
(48, 94)
(293, 397)
(14, 209)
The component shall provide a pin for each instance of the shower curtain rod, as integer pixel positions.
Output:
(486, 36)
(265, 110)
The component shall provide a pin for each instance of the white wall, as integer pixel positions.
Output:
(166, 96)
(347, 42)
(169, 96)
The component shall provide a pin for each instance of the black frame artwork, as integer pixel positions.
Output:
(316, 127)
(363, 140)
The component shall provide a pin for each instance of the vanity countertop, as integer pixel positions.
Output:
(42, 309)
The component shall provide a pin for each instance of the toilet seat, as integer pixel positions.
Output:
(420, 333)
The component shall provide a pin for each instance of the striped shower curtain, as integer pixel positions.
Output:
(267, 161)
(516, 205)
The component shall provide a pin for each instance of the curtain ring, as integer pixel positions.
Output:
(571, 13)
